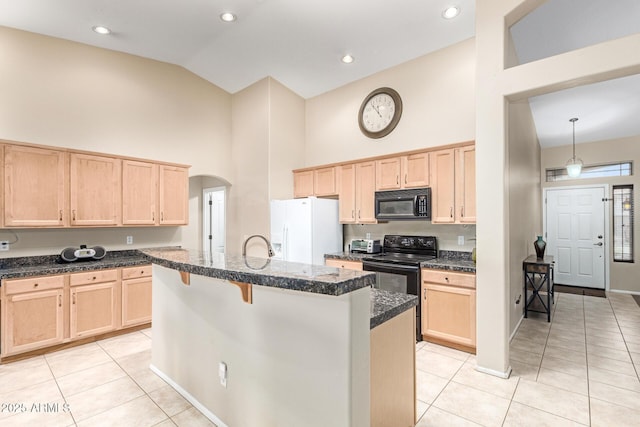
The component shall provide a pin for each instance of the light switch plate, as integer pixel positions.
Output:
(4, 245)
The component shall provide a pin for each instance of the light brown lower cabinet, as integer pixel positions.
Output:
(32, 314)
(136, 295)
(44, 311)
(449, 308)
(393, 372)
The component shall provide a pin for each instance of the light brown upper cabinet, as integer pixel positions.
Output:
(466, 184)
(409, 171)
(35, 183)
(324, 182)
(303, 184)
(139, 193)
(95, 189)
(357, 192)
(174, 195)
(319, 182)
(453, 198)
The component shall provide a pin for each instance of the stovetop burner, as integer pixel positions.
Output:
(409, 250)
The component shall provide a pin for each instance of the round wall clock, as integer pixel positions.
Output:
(380, 112)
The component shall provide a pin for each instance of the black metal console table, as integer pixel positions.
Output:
(538, 278)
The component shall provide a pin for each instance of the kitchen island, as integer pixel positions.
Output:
(252, 341)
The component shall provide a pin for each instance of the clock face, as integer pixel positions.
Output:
(380, 112)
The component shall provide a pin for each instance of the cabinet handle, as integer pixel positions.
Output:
(35, 285)
(424, 294)
(397, 179)
(93, 278)
(446, 279)
(353, 213)
(73, 300)
(462, 211)
(73, 212)
(153, 216)
(141, 271)
(60, 214)
(59, 300)
(451, 212)
(405, 178)
(162, 216)
(359, 216)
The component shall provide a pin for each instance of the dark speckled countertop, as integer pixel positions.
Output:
(317, 279)
(447, 260)
(11, 268)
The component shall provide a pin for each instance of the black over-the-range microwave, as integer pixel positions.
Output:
(413, 204)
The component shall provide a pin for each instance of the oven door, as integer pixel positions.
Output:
(398, 278)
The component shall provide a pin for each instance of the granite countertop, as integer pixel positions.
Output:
(387, 305)
(317, 279)
(447, 260)
(11, 268)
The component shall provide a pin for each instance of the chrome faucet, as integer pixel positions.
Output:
(244, 245)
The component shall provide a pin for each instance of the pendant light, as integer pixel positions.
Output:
(574, 164)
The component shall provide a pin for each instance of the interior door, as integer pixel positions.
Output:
(575, 232)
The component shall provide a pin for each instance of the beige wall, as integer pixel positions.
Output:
(268, 141)
(438, 95)
(495, 87)
(525, 208)
(60, 93)
(623, 276)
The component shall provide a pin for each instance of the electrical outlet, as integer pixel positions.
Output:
(460, 240)
(4, 245)
(129, 240)
(222, 373)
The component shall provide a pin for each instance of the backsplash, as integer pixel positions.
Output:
(447, 234)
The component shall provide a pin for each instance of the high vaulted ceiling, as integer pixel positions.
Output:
(300, 43)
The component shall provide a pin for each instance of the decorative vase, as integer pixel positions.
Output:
(540, 246)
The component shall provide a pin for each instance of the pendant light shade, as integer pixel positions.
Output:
(574, 164)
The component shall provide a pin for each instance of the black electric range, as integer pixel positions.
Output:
(397, 268)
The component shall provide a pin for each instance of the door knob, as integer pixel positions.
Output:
(597, 244)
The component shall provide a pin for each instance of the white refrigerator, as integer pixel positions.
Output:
(303, 230)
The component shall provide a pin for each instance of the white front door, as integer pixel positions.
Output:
(575, 234)
(213, 223)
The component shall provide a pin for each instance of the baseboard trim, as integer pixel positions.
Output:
(515, 330)
(499, 374)
(184, 393)
(622, 291)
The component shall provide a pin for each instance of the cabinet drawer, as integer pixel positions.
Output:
(97, 276)
(339, 263)
(467, 280)
(30, 284)
(136, 272)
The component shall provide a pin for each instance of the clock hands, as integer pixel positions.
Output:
(377, 110)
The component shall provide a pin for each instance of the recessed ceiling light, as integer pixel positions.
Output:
(228, 17)
(451, 12)
(347, 59)
(101, 30)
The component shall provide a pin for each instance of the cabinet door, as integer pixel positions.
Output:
(174, 195)
(35, 182)
(466, 185)
(415, 170)
(347, 193)
(96, 190)
(32, 320)
(324, 182)
(442, 186)
(136, 301)
(365, 192)
(303, 184)
(139, 193)
(93, 309)
(388, 174)
(449, 313)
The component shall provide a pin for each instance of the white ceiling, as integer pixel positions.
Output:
(300, 42)
(606, 110)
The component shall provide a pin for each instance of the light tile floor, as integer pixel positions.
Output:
(580, 369)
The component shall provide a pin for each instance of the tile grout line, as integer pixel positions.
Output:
(586, 355)
(625, 341)
(55, 379)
